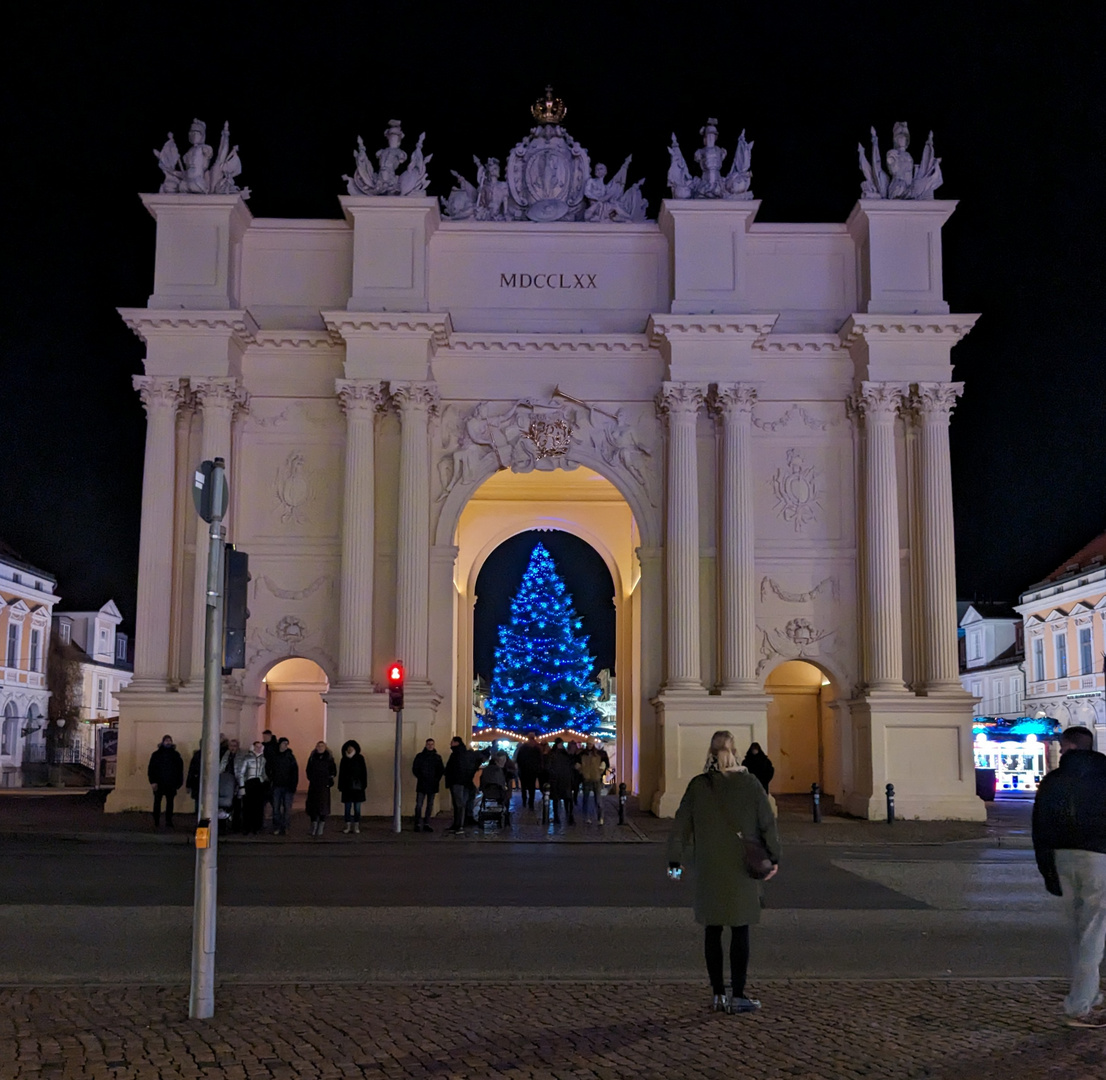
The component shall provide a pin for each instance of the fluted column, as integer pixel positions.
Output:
(733, 403)
(932, 405)
(361, 400)
(879, 404)
(680, 403)
(218, 399)
(416, 401)
(161, 397)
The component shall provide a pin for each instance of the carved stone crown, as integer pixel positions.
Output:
(549, 109)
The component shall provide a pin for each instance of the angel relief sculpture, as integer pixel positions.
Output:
(611, 200)
(386, 178)
(710, 157)
(902, 179)
(195, 173)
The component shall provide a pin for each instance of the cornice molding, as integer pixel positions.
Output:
(638, 344)
(147, 322)
(872, 326)
(670, 326)
(346, 323)
(298, 339)
(801, 343)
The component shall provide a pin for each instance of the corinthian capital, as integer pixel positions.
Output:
(680, 399)
(879, 401)
(158, 393)
(360, 395)
(409, 397)
(935, 400)
(730, 400)
(221, 393)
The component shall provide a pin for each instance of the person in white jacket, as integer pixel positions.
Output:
(252, 781)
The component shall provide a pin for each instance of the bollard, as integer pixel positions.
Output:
(545, 804)
(621, 804)
(816, 802)
(890, 804)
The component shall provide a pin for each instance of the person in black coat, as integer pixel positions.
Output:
(459, 772)
(528, 763)
(284, 774)
(428, 769)
(353, 782)
(321, 771)
(166, 775)
(760, 765)
(562, 771)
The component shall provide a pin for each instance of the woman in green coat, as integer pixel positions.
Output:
(722, 801)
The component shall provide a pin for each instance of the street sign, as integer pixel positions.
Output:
(210, 496)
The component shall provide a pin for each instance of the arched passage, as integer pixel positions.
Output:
(581, 502)
(803, 738)
(292, 706)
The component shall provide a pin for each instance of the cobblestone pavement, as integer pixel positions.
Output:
(807, 1030)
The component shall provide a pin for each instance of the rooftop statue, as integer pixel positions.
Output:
(710, 157)
(546, 177)
(906, 180)
(195, 173)
(386, 178)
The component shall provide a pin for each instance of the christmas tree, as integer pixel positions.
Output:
(542, 678)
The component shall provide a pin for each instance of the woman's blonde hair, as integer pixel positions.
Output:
(721, 757)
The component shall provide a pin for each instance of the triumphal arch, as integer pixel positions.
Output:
(749, 422)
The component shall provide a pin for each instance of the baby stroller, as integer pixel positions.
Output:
(495, 795)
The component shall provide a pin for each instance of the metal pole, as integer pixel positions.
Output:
(397, 825)
(201, 1000)
(621, 804)
(890, 804)
(816, 802)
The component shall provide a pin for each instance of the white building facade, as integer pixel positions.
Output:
(748, 421)
(993, 670)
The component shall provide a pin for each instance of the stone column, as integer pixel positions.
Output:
(879, 404)
(219, 400)
(161, 397)
(932, 405)
(733, 403)
(416, 401)
(680, 403)
(361, 400)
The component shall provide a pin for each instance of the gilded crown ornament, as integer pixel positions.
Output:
(549, 109)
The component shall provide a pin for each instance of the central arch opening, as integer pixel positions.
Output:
(293, 707)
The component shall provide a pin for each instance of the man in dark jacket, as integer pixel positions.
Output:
(562, 771)
(285, 777)
(528, 763)
(459, 773)
(1069, 838)
(429, 769)
(270, 745)
(166, 775)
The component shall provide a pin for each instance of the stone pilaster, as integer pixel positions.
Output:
(219, 399)
(879, 404)
(361, 400)
(932, 405)
(415, 401)
(161, 398)
(680, 404)
(733, 404)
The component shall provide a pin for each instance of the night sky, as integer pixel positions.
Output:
(1014, 92)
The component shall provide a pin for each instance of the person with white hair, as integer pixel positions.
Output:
(724, 812)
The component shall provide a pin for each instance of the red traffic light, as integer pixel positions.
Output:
(395, 674)
(395, 686)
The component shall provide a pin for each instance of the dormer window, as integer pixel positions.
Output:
(65, 632)
(121, 648)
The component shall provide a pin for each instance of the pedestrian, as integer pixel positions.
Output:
(353, 782)
(192, 781)
(722, 809)
(574, 751)
(321, 771)
(1069, 838)
(166, 775)
(591, 767)
(269, 744)
(561, 770)
(428, 769)
(759, 764)
(528, 763)
(459, 772)
(229, 801)
(253, 782)
(285, 777)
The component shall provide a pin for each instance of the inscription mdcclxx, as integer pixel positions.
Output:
(547, 281)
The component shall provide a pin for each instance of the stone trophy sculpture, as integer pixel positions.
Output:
(902, 179)
(196, 173)
(710, 157)
(546, 177)
(386, 178)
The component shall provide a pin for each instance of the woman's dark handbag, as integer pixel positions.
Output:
(758, 865)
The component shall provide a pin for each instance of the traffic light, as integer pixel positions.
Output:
(236, 578)
(395, 686)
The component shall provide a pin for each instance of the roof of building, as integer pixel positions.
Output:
(990, 609)
(12, 557)
(1093, 555)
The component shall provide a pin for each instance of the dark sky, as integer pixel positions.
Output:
(1014, 92)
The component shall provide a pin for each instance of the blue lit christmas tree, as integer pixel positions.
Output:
(542, 679)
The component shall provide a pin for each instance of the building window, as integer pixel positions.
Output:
(13, 646)
(975, 648)
(121, 648)
(65, 632)
(36, 645)
(1086, 650)
(1039, 659)
(1061, 656)
(101, 694)
(17, 579)
(1015, 694)
(8, 736)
